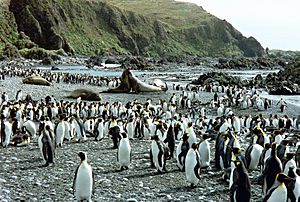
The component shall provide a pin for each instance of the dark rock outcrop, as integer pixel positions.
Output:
(250, 63)
(220, 77)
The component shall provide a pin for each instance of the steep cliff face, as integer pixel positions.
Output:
(155, 28)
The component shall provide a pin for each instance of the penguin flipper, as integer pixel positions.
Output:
(74, 181)
(160, 155)
(196, 170)
(93, 187)
(269, 193)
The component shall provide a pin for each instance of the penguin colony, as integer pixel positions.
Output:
(179, 127)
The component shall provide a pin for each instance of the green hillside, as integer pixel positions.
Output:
(148, 28)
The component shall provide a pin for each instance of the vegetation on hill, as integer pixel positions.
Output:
(148, 28)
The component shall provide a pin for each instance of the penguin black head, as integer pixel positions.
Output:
(155, 137)
(124, 135)
(236, 150)
(267, 146)
(195, 146)
(282, 178)
(205, 136)
(82, 156)
(185, 137)
(289, 156)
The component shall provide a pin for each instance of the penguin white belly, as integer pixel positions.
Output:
(297, 188)
(192, 139)
(162, 136)
(40, 143)
(244, 104)
(67, 134)
(190, 163)
(255, 156)
(155, 152)
(84, 183)
(279, 194)
(100, 130)
(130, 130)
(60, 133)
(124, 152)
(231, 174)
(8, 132)
(204, 151)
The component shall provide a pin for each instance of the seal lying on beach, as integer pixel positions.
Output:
(130, 82)
(36, 80)
(85, 94)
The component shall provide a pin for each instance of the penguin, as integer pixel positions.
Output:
(220, 146)
(124, 152)
(273, 167)
(99, 130)
(279, 191)
(79, 129)
(204, 152)
(68, 130)
(240, 190)
(192, 136)
(83, 183)
(181, 151)
(252, 155)
(60, 132)
(294, 192)
(130, 128)
(264, 156)
(159, 153)
(6, 131)
(46, 144)
(170, 141)
(192, 165)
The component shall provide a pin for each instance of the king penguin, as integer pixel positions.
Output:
(6, 131)
(192, 165)
(83, 184)
(279, 191)
(60, 131)
(182, 150)
(124, 152)
(99, 130)
(46, 144)
(240, 190)
(273, 167)
(159, 153)
(204, 152)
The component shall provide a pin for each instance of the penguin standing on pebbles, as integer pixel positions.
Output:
(124, 152)
(181, 151)
(6, 131)
(159, 153)
(204, 151)
(46, 144)
(192, 165)
(240, 190)
(83, 184)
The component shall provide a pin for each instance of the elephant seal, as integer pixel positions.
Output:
(85, 94)
(36, 80)
(130, 83)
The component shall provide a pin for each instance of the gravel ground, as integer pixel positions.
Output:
(22, 178)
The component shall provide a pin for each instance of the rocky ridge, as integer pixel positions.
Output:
(122, 27)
